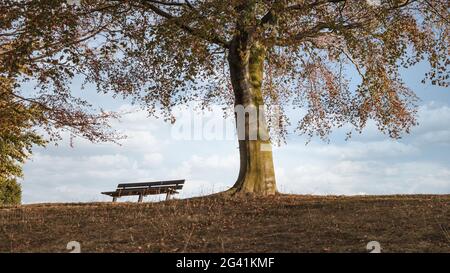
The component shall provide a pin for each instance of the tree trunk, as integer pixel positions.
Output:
(256, 173)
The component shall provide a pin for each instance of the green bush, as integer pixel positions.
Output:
(10, 192)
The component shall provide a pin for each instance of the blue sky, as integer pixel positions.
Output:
(369, 163)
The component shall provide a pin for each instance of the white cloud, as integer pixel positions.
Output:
(369, 163)
(355, 177)
(434, 124)
(152, 159)
(360, 150)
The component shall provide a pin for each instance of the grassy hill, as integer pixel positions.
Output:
(285, 223)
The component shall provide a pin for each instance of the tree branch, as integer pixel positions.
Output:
(176, 20)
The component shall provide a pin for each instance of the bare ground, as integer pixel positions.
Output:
(285, 223)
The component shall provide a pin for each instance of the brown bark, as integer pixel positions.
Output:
(256, 174)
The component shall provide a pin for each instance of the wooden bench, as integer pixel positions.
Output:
(146, 188)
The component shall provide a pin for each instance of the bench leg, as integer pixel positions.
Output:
(168, 195)
(114, 199)
(140, 198)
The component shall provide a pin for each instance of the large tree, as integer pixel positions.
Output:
(249, 53)
(17, 137)
(32, 117)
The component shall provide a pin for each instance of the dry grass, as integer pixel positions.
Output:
(285, 223)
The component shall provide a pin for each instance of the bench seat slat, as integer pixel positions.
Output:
(177, 187)
(143, 190)
(151, 184)
(120, 193)
(152, 187)
(110, 193)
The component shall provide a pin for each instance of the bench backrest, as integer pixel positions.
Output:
(157, 185)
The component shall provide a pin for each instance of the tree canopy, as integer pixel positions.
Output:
(17, 135)
(169, 52)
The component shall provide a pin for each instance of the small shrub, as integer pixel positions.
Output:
(10, 192)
